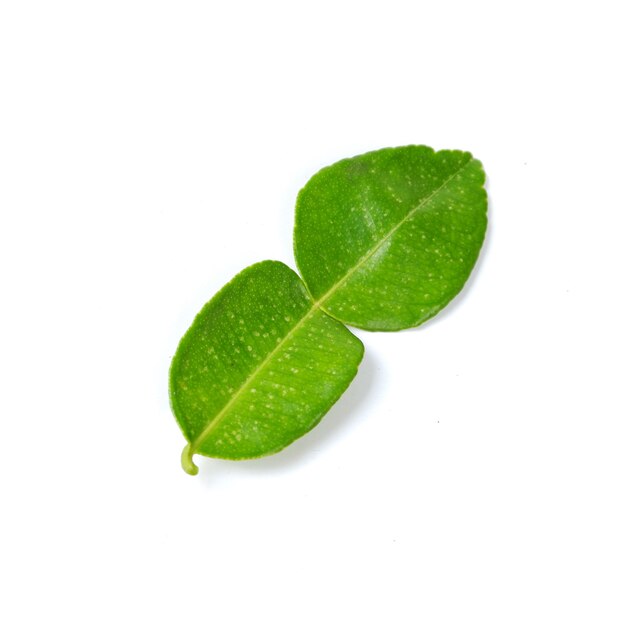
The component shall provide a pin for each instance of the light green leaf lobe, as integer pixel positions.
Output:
(259, 367)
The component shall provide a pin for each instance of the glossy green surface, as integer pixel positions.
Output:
(386, 239)
(259, 367)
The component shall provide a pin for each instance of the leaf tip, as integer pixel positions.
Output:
(187, 460)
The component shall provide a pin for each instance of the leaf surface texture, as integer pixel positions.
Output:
(259, 367)
(386, 239)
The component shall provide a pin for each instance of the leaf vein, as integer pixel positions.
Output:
(391, 231)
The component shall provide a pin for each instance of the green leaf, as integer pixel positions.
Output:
(386, 239)
(259, 367)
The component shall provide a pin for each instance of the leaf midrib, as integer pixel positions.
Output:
(361, 261)
(315, 305)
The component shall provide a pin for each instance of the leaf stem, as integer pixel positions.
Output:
(187, 460)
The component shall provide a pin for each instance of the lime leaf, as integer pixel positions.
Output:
(259, 367)
(386, 239)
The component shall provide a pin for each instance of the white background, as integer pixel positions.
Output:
(475, 470)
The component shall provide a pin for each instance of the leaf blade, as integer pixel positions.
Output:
(404, 227)
(245, 380)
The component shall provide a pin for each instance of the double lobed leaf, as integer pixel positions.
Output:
(383, 242)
